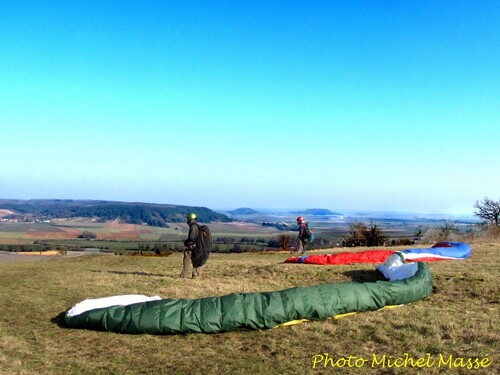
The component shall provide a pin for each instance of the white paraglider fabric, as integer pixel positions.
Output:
(394, 268)
(97, 303)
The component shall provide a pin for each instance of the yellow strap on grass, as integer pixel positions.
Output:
(339, 316)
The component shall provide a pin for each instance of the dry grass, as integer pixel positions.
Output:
(459, 319)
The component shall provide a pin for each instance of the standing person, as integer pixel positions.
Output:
(302, 236)
(198, 246)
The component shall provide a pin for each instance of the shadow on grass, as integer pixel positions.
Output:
(137, 273)
(59, 320)
(364, 276)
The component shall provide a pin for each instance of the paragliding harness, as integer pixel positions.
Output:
(308, 235)
(203, 246)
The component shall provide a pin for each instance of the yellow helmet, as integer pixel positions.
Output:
(190, 217)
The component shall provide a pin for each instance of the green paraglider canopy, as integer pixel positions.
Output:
(253, 310)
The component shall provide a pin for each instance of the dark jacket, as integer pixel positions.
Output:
(302, 231)
(199, 245)
(191, 241)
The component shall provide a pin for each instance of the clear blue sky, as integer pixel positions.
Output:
(370, 105)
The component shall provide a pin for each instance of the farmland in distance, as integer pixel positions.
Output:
(248, 232)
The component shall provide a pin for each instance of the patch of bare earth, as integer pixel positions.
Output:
(121, 231)
(59, 234)
(4, 212)
(49, 252)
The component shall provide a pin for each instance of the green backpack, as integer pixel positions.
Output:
(308, 234)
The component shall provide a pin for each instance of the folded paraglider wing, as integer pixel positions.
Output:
(254, 310)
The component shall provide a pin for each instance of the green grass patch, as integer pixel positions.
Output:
(460, 318)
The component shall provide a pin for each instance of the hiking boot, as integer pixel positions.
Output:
(196, 273)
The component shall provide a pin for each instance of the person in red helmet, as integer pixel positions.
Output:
(302, 237)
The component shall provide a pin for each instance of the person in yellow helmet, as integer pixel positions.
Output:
(198, 246)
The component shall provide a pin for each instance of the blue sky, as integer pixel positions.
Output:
(369, 105)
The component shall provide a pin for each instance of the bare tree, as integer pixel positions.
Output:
(447, 229)
(488, 210)
(418, 233)
(284, 241)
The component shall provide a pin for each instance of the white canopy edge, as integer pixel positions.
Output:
(98, 303)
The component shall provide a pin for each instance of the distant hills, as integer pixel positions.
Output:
(317, 212)
(134, 213)
(243, 211)
(310, 211)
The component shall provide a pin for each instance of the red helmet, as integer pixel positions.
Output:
(300, 219)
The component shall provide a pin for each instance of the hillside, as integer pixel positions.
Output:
(134, 213)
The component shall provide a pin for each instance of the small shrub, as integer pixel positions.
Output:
(402, 242)
(87, 235)
(361, 234)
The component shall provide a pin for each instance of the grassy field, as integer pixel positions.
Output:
(459, 319)
(63, 233)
